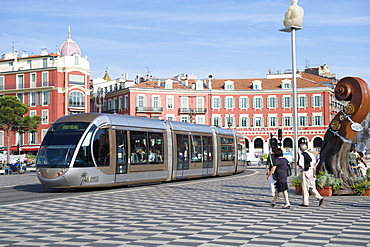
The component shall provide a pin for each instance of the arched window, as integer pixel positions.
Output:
(76, 99)
(317, 142)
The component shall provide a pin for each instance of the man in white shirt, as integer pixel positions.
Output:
(308, 178)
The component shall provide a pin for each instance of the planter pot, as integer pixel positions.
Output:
(326, 191)
(298, 189)
(367, 192)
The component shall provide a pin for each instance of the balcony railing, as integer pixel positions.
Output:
(28, 85)
(149, 109)
(192, 110)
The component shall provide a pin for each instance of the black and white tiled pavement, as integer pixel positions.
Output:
(222, 211)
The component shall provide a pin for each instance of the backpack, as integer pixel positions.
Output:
(307, 161)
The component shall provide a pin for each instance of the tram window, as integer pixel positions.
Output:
(156, 147)
(196, 149)
(84, 157)
(227, 149)
(121, 145)
(182, 151)
(138, 147)
(101, 147)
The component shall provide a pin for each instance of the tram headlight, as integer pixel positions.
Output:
(52, 173)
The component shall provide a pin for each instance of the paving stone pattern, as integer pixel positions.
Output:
(223, 211)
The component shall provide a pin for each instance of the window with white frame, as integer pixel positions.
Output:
(286, 102)
(76, 79)
(199, 85)
(286, 84)
(216, 102)
(302, 121)
(258, 121)
(140, 102)
(45, 98)
(229, 85)
(76, 99)
(316, 100)
(1, 82)
(272, 121)
(272, 102)
(43, 132)
(217, 121)
(20, 81)
(45, 79)
(287, 121)
(302, 101)
(1, 138)
(200, 104)
(170, 100)
(257, 85)
(125, 102)
(184, 103)
(184, 119)
(229, 103)
(33, 98)
(244, 122)
(156, 102)
(200, 120)
(20, 96)
(171, 117)
(33, 80)
(317, 120)
(257, 102)
(120, 102)
(168, 84)
(32, 138)
(243, 103)
(45, 117)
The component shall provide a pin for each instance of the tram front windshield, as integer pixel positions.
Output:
(59, 144)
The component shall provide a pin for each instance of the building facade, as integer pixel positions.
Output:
(52, 85)
(256, 108)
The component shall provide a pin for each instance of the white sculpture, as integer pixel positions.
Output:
(294, 15)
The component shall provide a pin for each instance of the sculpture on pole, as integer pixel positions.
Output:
(343, 127)
(294, 15)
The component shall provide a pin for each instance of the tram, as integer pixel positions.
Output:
(102, 150)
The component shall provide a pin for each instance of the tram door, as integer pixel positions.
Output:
(207, 155)
(182, 155)
(121, 156)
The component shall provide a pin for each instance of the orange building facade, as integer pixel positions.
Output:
(256, 108)
(52, 85)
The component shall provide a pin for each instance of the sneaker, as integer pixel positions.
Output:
(303, 205)
(321, 201)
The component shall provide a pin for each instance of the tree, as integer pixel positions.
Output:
(12, 119)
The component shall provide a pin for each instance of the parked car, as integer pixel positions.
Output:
(253, 159)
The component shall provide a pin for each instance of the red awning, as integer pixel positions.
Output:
(26, 148)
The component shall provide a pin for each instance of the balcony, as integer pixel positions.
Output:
(27, 85)
(149, 109)
(192, 110)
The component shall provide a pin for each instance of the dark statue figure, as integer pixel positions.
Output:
(343, 127)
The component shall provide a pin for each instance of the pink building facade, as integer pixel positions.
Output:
(256, 108)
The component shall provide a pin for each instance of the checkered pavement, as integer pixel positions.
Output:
(222, 211)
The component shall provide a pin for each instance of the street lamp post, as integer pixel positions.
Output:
(292, 30)
(293, 22)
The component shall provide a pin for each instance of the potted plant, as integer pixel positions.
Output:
(326, 183)
(361, 185)
(296, 181)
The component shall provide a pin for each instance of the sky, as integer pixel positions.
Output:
(228, 39)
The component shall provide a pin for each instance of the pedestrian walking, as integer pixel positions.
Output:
(307, 162)
(280, 169)
(269, 165)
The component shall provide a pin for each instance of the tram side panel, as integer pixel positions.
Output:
(226, 155)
